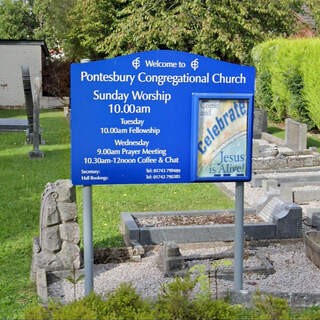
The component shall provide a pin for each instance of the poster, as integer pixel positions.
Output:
(222, 137)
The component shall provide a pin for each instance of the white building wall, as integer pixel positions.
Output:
(11, 58)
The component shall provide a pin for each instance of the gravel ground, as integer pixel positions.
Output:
(181, 220)
(293, 273)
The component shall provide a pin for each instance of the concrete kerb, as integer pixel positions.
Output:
(296, 300)
(42, 285)
(285, 170)
(314, 178)
(171, 263)
(190, 234)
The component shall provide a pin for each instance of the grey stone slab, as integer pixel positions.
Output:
(296, 134)
(286, 193)
(70, 232)
(186, 234)
(260, 122)
(259, 231)
(68, 211)
(65, 190)
(204, 233)
(289, 221)
(12, 124)
(48, 261)
(269, 184)
(269, 209)
(167, 259)
(286, 170)
(296, 300)
(190, 234)
(70, 255)
(299, 180)
(311, 211)
(306, 194)
(51, 239)
(42, 285)
(304, 299)
(286, 216)
(129, 228)
(315, 220)
(285, 162)
(255, 148)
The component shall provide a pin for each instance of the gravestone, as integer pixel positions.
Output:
(260, 122)
(28, 99)
(285, 215)
(57, 247)
(167, 260)
(296, 135)
(36, 153)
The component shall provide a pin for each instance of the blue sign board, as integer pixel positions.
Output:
(160, 117)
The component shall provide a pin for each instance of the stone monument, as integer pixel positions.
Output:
(260, 122)
(57, 247)
(296, 135)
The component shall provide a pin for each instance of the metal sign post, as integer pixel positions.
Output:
(87, 234)
(87, 239)
(238, 237)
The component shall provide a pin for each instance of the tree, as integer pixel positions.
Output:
(223, 29)
(53, 21)
(17, 21)
(90, 23)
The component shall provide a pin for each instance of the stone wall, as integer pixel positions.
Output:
(57, 247)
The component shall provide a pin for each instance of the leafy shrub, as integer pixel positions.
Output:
(288, 79)
(74, 311)
(175, 302)
(312, 313)
(268, 307)
(36, 312)
(216, 310)
(124, 304)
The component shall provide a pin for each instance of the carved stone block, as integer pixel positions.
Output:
(70, 255)
(66, 191)
(51, 239)
(70, 232)
(48, 261)
(68, 211)
(52, 215)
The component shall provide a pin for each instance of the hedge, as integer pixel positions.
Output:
(288, 79)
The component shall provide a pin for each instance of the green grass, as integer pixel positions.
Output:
(22, 182)
(280, 133)
(312, 139)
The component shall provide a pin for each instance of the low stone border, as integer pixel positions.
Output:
(280, 222)
(186, 234)
(171, 263)
(296, 300)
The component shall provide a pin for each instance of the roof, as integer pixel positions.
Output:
(41, 43)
